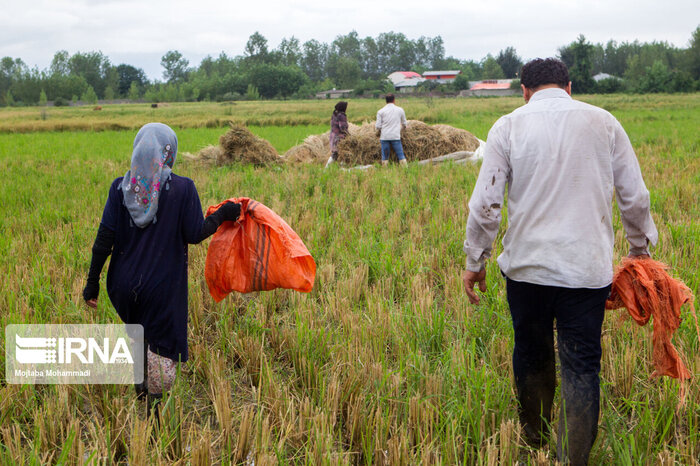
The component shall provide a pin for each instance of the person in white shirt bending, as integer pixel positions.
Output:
(391, 119)
(562, 161)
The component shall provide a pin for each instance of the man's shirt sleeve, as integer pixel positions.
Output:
(378, 125)
(487, 199)
(632, 194)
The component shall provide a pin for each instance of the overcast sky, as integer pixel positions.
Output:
(140, 32)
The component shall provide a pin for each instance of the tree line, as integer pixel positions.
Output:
(296, 70)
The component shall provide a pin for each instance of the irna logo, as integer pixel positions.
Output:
(74, 353)
(32, 350)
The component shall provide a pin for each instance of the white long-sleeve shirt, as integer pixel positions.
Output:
(562, 160)
(390, 120)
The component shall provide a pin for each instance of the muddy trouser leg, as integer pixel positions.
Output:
(533, 356)
(579, 314)
(161, 377)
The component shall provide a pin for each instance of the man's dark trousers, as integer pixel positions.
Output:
(578, 313)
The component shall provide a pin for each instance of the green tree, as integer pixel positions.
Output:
(314, 59)
(252, 93)
(109, 93)
(461, 82)
(133, 91)
(491, 68)
(276, 80)
(256, 48)
(681, 81)
(289, 51)
(127, 75)
(89, 96)
(93, 67)
(656, 79)
(175, 66)
(42, 98)
(693, 54)
(9, 99)
(345, 71)
(578, 57)
(509, 62)
(609, 86)
(60, 64)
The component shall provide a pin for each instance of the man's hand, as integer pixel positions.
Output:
(472, 278)
(92, 303)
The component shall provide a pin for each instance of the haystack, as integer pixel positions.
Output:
(316, 148)
(238, 144)
(210, 153)
(419, 140)
(460, 138)
(361, 146)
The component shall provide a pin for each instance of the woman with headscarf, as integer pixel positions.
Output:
(150, 217)
(339, 129)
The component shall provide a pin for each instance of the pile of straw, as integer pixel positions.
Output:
(419, 141)
(316, 148)
(238, 144)
(460, 138)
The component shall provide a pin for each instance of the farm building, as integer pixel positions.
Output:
(334, 93)
(405, 81)
(491, 87)
(441, 76)
(601, 76)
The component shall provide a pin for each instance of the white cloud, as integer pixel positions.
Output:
(139, 33)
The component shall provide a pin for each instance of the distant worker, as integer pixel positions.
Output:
(150, 217)
(391, 120)
(562, 161)
(339, 129)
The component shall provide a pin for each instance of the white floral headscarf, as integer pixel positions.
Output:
(155, 148)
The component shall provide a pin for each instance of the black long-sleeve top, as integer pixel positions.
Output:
(147, 276)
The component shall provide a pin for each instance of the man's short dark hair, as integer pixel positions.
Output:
(539, 72)
(389, 98)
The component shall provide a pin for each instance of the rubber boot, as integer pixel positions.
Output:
(403, 163)
(385, 163)
(153, 406)
(141, 390)
(330, 162)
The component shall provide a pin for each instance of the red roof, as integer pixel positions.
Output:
(409, 74)
(491, 85)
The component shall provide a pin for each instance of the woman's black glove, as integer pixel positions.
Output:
(91, 290)
(101, 250)
(227, 212)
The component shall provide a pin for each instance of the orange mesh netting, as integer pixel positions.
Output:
(644, 287)
(259, 252)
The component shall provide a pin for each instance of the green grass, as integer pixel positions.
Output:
(384, 361)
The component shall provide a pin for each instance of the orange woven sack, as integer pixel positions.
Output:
(645, 288)
(259, 252)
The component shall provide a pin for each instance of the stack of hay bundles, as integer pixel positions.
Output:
(419, 140)
(316, 148)
(240, 145)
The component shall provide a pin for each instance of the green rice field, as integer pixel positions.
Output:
(385, 362)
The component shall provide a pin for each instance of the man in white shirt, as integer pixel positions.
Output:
(562, 160)
(390, 121)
